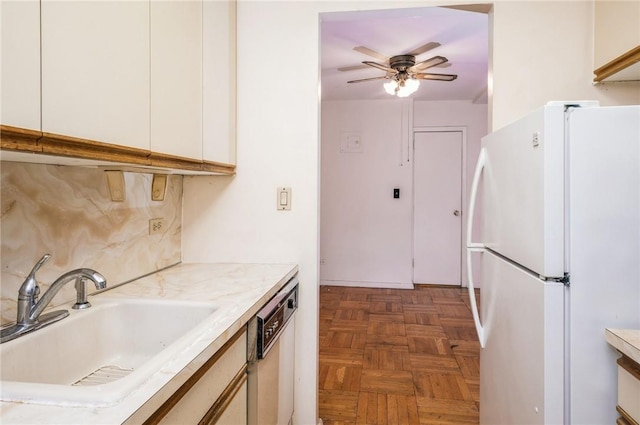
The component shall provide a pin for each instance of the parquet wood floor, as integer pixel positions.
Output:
(394, 356)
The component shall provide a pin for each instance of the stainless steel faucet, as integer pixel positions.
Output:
(30, 317)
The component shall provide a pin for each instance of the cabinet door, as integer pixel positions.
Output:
(219, 81)
(236, 411)
(95, 70)
(176, 78)
(208, 386)
(20, 94)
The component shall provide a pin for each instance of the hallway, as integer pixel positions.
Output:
(392, 356)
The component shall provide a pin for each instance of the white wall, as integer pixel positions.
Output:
(366, 235)
(365, 232)
(234, 219)
(543, 51)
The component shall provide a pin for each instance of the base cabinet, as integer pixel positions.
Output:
(627, 343)
(628, 391)
(233, 413)
(215, 394)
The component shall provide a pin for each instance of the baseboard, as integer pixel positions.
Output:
(363, 284)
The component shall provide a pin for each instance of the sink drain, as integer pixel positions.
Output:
(104, 375)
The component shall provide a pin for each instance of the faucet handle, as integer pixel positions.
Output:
(39, 264)
(30, 285)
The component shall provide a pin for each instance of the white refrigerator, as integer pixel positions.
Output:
(559, 195)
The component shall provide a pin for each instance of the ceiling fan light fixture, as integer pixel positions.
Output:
(410, 86)
(402, 71)
(391, 87)
(403, 88)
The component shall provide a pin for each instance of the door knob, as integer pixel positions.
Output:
(456, 213)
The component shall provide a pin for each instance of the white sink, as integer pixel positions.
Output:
(99, 355)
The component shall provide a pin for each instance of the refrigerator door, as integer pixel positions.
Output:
(521, 367)
(604, 251)
(523, 191)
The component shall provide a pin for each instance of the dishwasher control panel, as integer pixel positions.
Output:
(273, 317)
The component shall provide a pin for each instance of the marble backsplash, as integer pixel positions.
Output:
(68, 213)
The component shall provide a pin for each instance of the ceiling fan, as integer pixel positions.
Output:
(402, 70)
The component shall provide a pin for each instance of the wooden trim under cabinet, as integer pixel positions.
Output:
(23, 140)
(170, 161)
(218, 167)
(19, 139)
(618, 64)
(55, 144)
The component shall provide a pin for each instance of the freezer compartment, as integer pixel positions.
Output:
(523, 191)
(521, 366)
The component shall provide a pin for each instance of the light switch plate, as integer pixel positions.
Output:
(283, 199)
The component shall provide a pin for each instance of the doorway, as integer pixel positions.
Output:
(437, 207)
(366, 200)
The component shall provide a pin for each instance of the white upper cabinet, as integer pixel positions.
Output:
(20, 35)
(219, 81)
(95, 70)
(153, 81)
(176, 78)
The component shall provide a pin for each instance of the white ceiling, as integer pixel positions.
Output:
(463, 36)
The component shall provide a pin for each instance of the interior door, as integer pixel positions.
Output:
(437, 207)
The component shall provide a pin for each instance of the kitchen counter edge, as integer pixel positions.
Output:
(626, 341)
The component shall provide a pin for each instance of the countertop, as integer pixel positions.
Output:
(238, 289)
(627, 341)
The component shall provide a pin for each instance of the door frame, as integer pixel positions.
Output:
(463, 191)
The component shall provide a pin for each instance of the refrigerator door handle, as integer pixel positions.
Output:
(482, 159)
(474, 247)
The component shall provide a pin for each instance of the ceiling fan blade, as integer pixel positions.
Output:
(369, 52)
(440, 77)
(368, 79)
(424, 48)
(353, 67)
(434, 61)
(379, 66)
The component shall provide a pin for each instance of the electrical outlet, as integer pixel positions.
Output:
(156, 226)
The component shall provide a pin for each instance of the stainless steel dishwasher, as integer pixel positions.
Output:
(270, 354)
